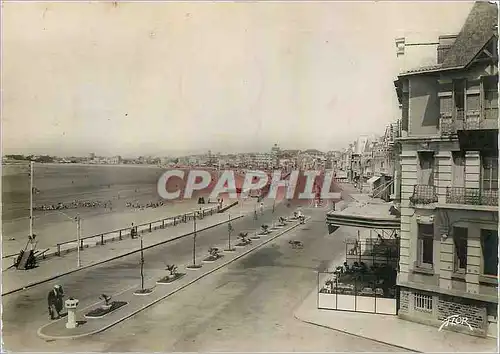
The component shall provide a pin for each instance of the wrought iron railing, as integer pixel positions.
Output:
(471, 196)
(490, 113)
(472, 121)
(447, 125)
(424, 194)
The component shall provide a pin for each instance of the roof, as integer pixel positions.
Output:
(423, 69)
(478, 29)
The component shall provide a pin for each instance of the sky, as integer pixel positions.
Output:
(168, 78)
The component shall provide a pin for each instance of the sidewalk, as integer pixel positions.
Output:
(390, 329)
(14, 280)
(135, 304)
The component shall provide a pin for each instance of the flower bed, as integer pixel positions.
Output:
(194, 267)
(211, 259)
(143, 292)
(105, 309)
(170, 278)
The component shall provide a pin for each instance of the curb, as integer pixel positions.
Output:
(355, 334)
(41, 335)
(115, 258)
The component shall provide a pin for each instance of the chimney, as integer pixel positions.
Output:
(445, 43)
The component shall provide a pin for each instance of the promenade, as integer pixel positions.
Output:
(135, 303)
(15, 280)
(15, 233)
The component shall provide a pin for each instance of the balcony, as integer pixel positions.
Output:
(449, 124)
(424, 194)
(471, 196)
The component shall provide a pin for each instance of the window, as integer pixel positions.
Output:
(489, 246)
(425, 245)
(473, 102)
(460, 241)
(446, 106)
(426, 171)
(459, 98)
(405, 111)
(458, 173)
(422, 302)
(490, 89)
(489, 172)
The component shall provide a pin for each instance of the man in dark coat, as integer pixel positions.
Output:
(55, 302)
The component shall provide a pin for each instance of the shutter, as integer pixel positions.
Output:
(445, 106)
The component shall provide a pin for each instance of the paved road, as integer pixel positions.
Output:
(247, 306)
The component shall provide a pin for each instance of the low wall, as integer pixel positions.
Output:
(356, 303)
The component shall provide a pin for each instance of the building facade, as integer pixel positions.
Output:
(449, 180)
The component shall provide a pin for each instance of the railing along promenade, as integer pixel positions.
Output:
(120, 234)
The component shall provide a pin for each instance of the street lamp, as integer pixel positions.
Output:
(194, 265)
(142, 291)
(229, 232)
(77, 219)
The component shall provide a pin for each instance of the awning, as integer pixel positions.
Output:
(373, 179)
(374, 216)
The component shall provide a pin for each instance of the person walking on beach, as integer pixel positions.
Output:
(55, 302)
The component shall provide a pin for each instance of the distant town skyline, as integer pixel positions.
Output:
(181, 78)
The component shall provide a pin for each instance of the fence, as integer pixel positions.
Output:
(371, 290)
(373, 252)
(119, 234)
(366, 282)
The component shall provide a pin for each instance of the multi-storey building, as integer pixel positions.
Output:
(449, 180)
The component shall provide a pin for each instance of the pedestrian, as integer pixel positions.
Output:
(55, 302)
(133, 231)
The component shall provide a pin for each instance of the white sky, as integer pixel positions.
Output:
(160, 78)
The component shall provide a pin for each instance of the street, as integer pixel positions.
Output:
(246, 306)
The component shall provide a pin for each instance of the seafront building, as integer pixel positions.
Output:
(438, 169)
(449, 180)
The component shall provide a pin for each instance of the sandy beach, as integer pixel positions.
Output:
(57, 183)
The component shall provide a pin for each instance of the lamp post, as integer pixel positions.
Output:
(77, 219)
(31, 199)
(142, 290)
(78, 231)
(229, 232)
(194, 266)
(142, 265)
